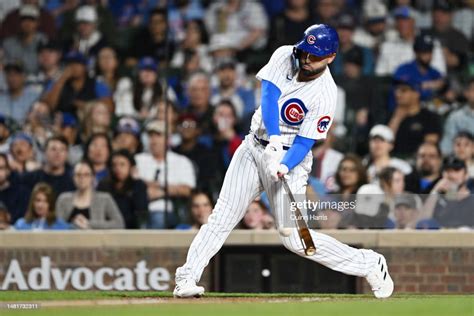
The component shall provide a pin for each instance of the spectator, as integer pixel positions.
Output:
(137, 99)
(23, 46)
(201, 206)
(325, 162)
(427, 169)
(381, 144)
(156, 166)
(242, 98)
(244, 21)
(204, 159)
(363, 96)
(49, 57)
(463, 149)
(286, 28)
(55, 171)
(327, 11)
(406, 212)
(129, 193)
(179, 15)
(346, 25)
(97, 151)
(12, 194)
(70, 131)
(86, 208)
(5, 218)
(455, 44)
(4, 135)
(199, 93)
(87, 39)
(412, 124)
(420, 69)
(12, 21)
(93, 11)
(16, 102)
(75, 88)
(374, 31)
(153, 40)
(399, 50)
(225, 139)
(96, 118)
(195, 39)
(350, 176)
(127, 135)
(23, 154)
(41, 214)
(39, 123)
(257, 217)
(107, 68)
(450, 201)
(459, 120)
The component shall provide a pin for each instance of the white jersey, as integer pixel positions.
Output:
(305, 108)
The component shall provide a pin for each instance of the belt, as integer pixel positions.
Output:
(264, 142)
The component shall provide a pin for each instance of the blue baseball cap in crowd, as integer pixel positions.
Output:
(75, 57)
(407, 79)
(128, 125)
(147, 63)
(22, 136)
(69, 120)
(424, 43)
(403, 12)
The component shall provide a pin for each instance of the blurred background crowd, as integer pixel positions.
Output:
(126, 113)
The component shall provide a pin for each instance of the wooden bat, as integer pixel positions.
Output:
(303, 231)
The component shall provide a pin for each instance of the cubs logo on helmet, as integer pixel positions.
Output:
(293, 112)
(323, 124)
(311, 39)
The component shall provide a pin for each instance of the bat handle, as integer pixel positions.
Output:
(308, 244)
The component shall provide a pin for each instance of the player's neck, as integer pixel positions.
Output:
(303, 78)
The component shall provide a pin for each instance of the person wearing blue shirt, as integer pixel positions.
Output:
(41, 214)
(420, 70)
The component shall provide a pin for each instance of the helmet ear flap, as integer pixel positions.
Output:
(296, 58)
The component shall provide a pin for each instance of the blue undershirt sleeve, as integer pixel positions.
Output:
(270, 95)
(300, 148)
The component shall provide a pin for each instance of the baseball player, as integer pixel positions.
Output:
(297, 109)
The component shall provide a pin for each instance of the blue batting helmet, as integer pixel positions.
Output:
(319, 40)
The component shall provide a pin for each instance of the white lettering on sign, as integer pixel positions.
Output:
(82, 278)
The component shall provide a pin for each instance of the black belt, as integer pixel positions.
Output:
(264, 142)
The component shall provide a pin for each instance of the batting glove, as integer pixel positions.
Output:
(277, 171)
(274, 149)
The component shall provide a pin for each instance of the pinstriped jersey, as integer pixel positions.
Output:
(305, 108)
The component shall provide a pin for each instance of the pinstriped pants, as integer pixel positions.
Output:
(244, 181)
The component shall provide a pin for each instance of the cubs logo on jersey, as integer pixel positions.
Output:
(323, 124)
(293, 112)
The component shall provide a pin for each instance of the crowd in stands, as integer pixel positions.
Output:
(126, 113)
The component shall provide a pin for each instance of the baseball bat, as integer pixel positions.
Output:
(303, 231)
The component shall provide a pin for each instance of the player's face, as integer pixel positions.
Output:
(311, 66)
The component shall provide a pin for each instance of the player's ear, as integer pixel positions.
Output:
(331, 58)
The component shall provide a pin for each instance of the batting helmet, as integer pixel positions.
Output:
(319, 40)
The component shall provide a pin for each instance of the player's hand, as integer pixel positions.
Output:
(274, 149)
(277, 171)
